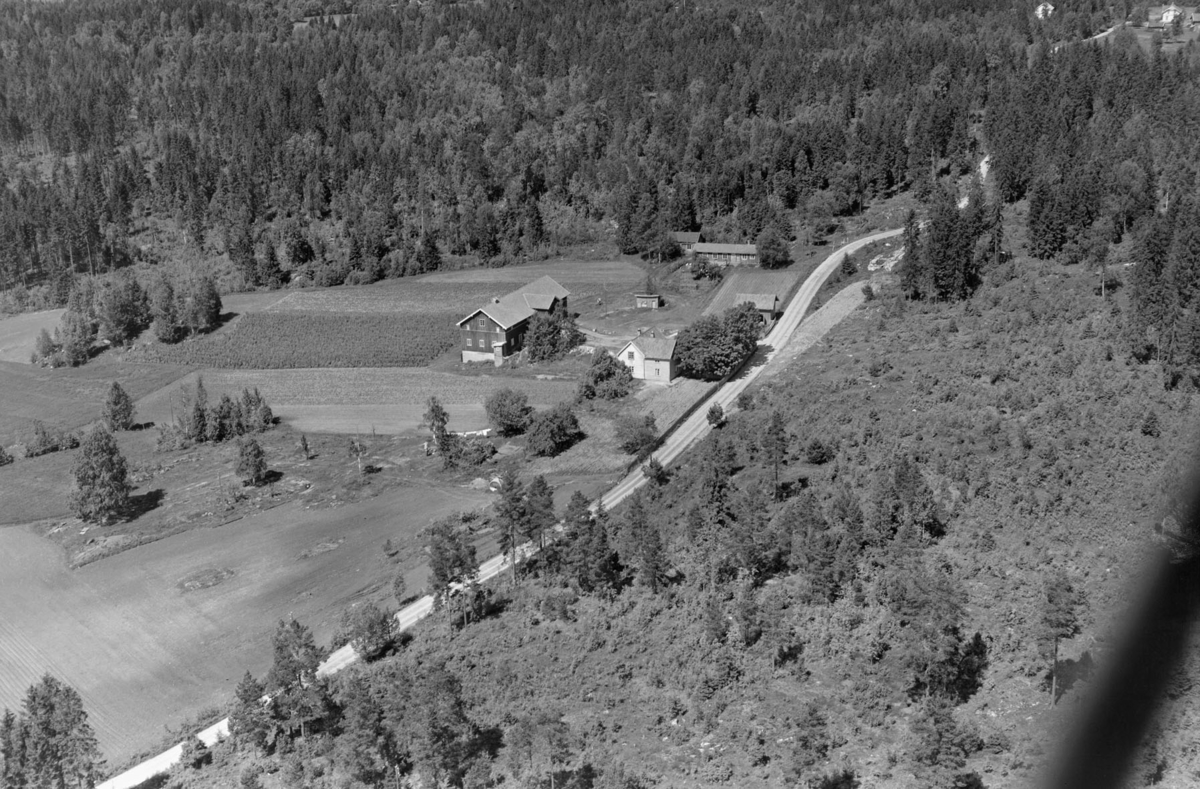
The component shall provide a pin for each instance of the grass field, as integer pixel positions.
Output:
(145, 653)
(316, 339)
(18, 333)
(68, 398)
(389, 399)
(754, 281)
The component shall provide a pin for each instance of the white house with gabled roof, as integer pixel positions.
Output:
(650, 356)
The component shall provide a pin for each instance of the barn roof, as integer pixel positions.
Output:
(511, 309)
(761, 301)
(726, 249)
(654, 345)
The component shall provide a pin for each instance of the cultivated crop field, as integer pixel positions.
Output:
(778, 282)
(388, 400)
(406, 296)
(317, 339)
(146, 648)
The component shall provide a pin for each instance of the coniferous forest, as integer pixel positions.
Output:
(865, 591)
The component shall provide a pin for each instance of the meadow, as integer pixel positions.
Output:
(781, 283)
(68, 398)
(148, 650)
(387, 400)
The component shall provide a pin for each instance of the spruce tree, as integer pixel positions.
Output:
(101, 477)
(539, 511)
(511, 516)
(249, 721)
(118, 409)
(774, 444)
(252, 463)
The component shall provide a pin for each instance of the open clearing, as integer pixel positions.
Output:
(389, 399)
(780, 283)
(149, 639)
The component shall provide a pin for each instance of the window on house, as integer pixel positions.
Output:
(630, 356)
(482, 323)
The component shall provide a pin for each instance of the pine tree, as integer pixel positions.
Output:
(196, 424)
(118, 409)
(913, 276)
(511, 516)
(249, 721)
(774, 444)
(539, 511)
(101, 478)
(164, 321)
(644, 544)
(1059, 620)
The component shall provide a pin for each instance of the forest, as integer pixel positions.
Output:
(489, 130)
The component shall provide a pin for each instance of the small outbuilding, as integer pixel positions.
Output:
(650, 356)
(767, 305)
(647, 301)
(1043, 11)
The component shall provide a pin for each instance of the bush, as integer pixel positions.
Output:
(607, 378)
(551, 336)
(712, 348)
(551, 432)
(636, 434)
(474, 450)
(818, 452)
(508, 411)
(772, 249)
(868, 292)
(716, 415)
(5, 458)
(49, 439)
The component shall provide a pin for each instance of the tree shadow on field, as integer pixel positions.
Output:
(142, 503)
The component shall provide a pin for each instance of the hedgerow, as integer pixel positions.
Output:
(310, 339)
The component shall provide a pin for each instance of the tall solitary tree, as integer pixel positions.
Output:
(101, 478)
(118, 409)
(510, 516)
(774, 444)
(1059, 620)
(252, 463)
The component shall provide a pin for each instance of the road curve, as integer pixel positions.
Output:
(692, 430)
(696, 426)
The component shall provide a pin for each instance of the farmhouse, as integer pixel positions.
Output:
(497, 329)
(650, 356)
(767, 305)
(727, 254)
(1170, 14)
(687, 241)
